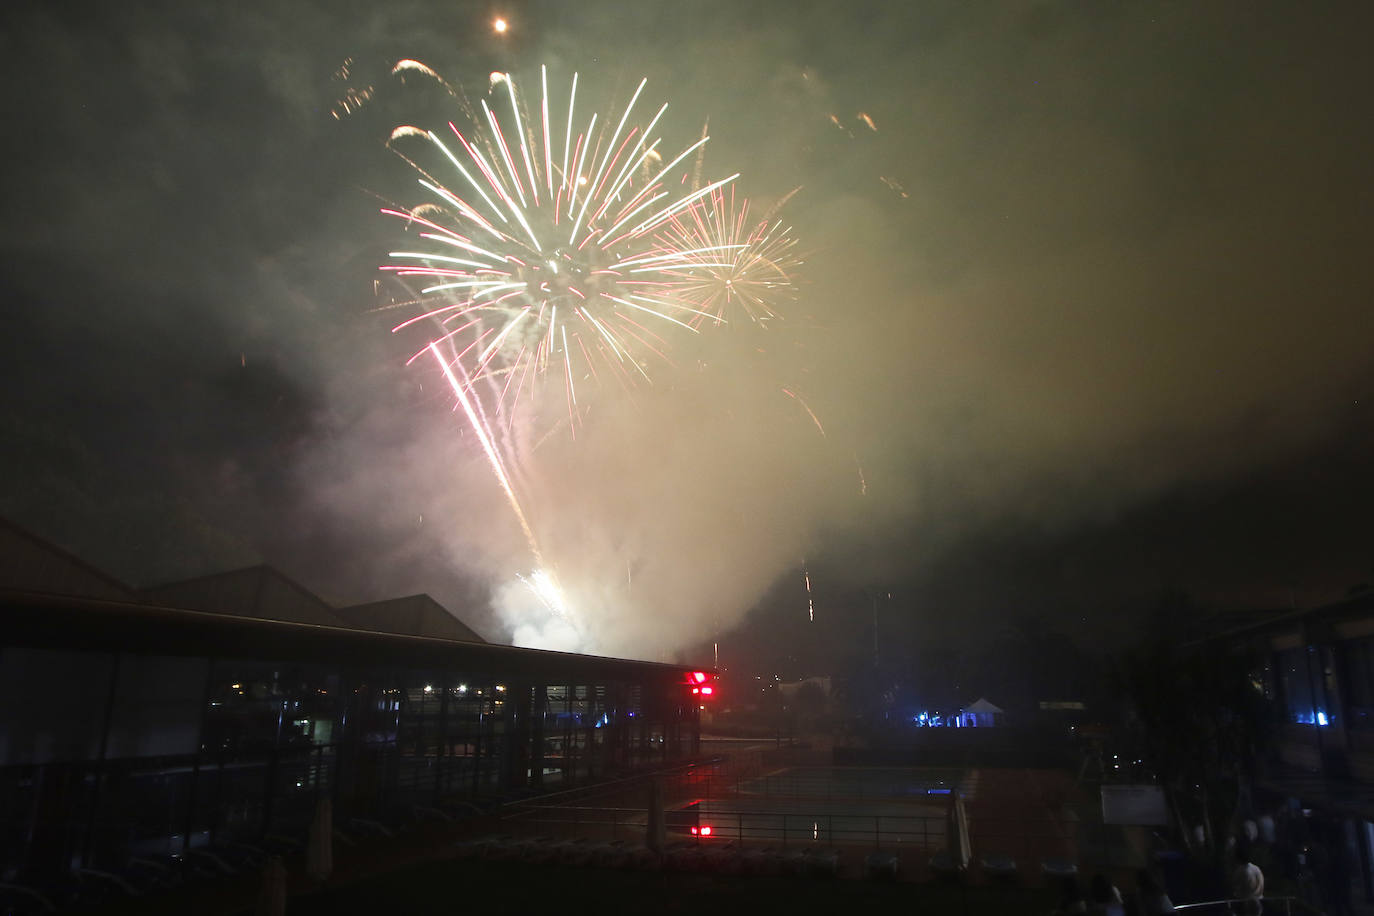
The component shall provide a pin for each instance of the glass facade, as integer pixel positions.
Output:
(109, 755)
(1359, 687)
(1307, 683)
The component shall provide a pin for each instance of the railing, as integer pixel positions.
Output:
(741, 801)
(1270, 905)
(832, 782)
(733, 777)
(923, 835)
(681, 783)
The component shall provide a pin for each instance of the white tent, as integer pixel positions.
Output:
(980, 713)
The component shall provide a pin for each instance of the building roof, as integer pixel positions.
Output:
(50, 598)
(1357, 606)
(982, 705)
(84, 624)
(258, 591)
(29, 563)
(413, 615)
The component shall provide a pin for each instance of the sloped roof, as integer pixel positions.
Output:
(92, 624)
(413, 615)
(29, 563)
(258, 591)
(982, 705)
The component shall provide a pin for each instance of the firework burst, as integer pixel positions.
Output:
(557, 252)
(746, 269)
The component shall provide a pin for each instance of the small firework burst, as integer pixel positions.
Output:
(748, 271)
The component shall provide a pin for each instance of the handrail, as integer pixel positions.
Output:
(1287, 902)
(675, 769)
(1027, 841)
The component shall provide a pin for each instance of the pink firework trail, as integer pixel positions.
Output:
(473, 409)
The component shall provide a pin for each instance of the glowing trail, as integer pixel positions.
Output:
(546, 589)
(811, 413)
(479, 426)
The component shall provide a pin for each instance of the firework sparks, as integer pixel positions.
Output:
(739, 267)
(352, 98)
(556, 251)
(806, 407)
(542, 583)
(551, 257)
(894, 186)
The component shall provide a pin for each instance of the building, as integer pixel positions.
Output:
(221, 710)
(1318, 667)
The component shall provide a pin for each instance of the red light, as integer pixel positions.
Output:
(699, 676)
(707, 691)
(698, 689)
(694, 831)
(705, 831)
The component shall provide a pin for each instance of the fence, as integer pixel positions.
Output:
(923, 835)
(1272, 905)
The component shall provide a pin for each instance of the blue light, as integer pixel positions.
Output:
(1321, 718)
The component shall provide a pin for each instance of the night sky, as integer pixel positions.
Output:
(1085, 314)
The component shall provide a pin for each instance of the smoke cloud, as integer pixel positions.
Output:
(1059, 261)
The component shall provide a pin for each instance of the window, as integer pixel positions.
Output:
(1359, 668)
(1304, 698)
